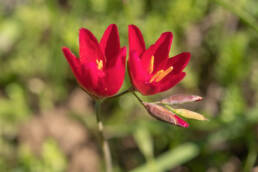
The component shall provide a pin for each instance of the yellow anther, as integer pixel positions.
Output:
(161, 74)
(99, 64)
(151, 67)
(156, 75)
(164, 74)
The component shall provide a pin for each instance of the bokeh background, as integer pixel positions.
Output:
(47, 123)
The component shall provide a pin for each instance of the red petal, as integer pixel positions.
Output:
(170, 81)
(89, 46)
(115, 75)
(110, 43)
(136, 41)
(166, 83)
(73, 62)
(163, 45)
(92, 79)
(146, 57)
(138, 75)
(178, 62)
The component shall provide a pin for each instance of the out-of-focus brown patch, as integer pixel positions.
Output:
(80, 103)
(212, 99)
(84, 160)
(33, 134)
(255, 169)
(233, 165)
(193, 36)
(70, 134)
(180, 169)
(212, 169)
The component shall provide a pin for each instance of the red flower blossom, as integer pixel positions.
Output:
(152, 71)
(100, 68)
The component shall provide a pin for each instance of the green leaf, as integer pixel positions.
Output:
(144, 142)
(244, 16)
(171, 159)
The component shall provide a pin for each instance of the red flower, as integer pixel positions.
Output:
(152, 71)
(101, 67)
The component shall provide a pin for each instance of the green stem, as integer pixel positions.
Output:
(104, 142)
(122, 93)
(138, 98)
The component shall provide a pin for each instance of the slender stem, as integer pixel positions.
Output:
(122, 93)
(104, 142)
(138, 98)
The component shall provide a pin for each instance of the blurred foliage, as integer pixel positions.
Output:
(222, 36)
(52, 159)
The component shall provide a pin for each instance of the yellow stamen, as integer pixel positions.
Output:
(164, 74)
(161, 74)
(156, 75)
(99, 64)
(151, 67)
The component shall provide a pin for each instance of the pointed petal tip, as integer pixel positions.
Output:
(67, 52)
(82, 30)
(64, 49)
(187, 56)
(167, 34)
(136, 40)
(132, 26)
(182, 75)
(112, 26)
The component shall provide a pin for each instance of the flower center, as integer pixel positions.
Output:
(99, 64)
(161, 74)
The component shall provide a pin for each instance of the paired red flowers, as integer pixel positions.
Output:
(100, 69)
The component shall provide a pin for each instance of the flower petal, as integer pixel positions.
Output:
(89, 47)
(179, 62)
(110, 44)
(93, 79)
(169, 81)
(115, 74)
(136, 41)
(138, 75)
(73, 61)
(162, 45)
(146, 57)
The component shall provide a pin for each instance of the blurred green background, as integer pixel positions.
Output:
(47, 123)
